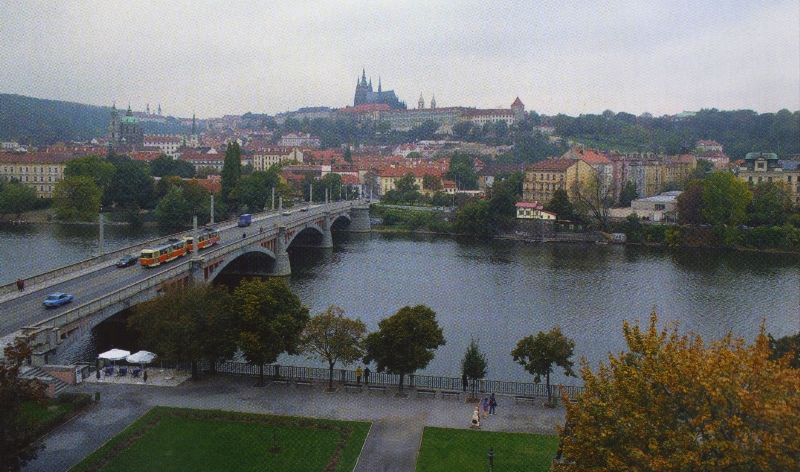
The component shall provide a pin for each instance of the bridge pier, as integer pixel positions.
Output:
(359, 220)
(282, 266)
(327, 237)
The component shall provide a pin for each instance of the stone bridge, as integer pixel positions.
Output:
(256, 250)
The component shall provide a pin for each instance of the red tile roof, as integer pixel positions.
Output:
(555, 165)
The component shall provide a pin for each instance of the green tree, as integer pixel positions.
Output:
(100, 170)
(673, 402)
(131, 185)
(231, 170)
(702, 168)
(725, 199)
(271, 319)
(475, 218)
(538, 355)
(348, 155)
(332, 337)
(473, 364)
(405, 341)
(462, 171)
(164, 165)
(431, 182)
(771, 204)
(255, 190)
(690, 204)
(16, 198)
(77, 198)
(187, 324)
(173, 209)
(406, 184)
(561, 206)
(786, 346)
(17, 436)
(628, 194)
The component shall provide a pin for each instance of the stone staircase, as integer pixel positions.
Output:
(31, 372)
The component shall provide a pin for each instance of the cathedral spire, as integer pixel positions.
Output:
(421, 102)
(379, 84)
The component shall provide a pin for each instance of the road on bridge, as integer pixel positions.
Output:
(26, 309)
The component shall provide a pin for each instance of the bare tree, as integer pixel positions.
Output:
(593, 197)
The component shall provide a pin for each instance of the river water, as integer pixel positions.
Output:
(500, 291)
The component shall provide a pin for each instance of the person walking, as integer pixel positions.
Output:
(485, 406)
(366, 376)
(492, 405)
(358, 375)
(464, 380)
(20, 285)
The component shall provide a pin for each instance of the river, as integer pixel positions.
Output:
(500, 291)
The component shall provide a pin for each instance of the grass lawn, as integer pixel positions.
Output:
(173, 439)
(446, 449)
(42, 413)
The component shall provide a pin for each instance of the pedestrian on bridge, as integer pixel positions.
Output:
(20, 285)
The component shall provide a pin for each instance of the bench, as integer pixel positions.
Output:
(283, 380)
(304, 383)
(353, 387)
(450, 393)
(422, 391)
(524, 398)
(377, 388)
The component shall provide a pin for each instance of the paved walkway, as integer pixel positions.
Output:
(392, 444)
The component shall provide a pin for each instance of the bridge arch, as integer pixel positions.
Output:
(236, 261)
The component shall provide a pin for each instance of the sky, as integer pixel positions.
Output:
(574, 57)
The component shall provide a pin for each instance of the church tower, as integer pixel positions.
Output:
(433, 101)
(113, 126)
(421, 102)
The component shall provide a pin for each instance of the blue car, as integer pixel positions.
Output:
(57, 299)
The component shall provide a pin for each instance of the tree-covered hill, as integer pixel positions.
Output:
(739, 131)
(37, 122)
(34, 121)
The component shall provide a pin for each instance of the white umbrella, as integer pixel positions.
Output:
(141, 357)
(114, 354)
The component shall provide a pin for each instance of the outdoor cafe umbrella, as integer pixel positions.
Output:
(141, 357)
(114, 354)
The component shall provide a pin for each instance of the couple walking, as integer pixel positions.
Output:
(489, 405)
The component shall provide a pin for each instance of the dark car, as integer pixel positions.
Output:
(127, 261)
(57, 299)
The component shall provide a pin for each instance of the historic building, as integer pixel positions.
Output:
(543, 178)
(126, 130)
(39, 170)
(365, 95)
(766, 167)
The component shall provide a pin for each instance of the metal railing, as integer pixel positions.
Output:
(432, 382)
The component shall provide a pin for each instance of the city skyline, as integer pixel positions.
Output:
(558, 57)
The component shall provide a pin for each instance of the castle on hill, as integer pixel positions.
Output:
(365, 95)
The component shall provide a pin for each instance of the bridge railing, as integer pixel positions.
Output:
(111, 298)
(432, 382)
(115, 255)
(95, 260)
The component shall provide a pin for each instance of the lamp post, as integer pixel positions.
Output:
(491, 459)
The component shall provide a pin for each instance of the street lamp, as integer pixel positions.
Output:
(491, 459)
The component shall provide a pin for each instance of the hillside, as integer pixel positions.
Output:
(35, 121)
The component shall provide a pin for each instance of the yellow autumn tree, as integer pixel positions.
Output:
(675, 403)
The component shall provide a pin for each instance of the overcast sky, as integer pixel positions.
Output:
(270, 56)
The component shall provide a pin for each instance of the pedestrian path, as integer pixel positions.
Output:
(392, 445)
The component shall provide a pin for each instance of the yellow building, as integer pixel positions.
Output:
(766, 167)
(38, 170)
(544, 178)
